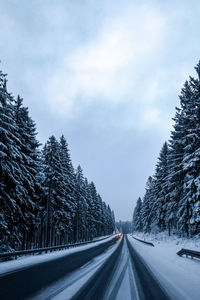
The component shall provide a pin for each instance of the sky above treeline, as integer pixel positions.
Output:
(107, 75)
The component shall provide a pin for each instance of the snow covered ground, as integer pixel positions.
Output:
(180, 276)
(26, 261)
(163, 237)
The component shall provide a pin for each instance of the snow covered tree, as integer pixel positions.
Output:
(69, 186)
(43, 201)
(172, 198)
(189, 206)
(159, 203)
(137, 220)
(30, 174)
(54, 184)
(91, 229)
(147, 205)
(110, 220)
(81, 209)
(184, 161)
(124, 226)
(176, 174)
(19, 167)
(10, 156)
(95, 208)
(113, 220)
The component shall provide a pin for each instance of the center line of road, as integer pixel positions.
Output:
(118, 283)
(133, 286)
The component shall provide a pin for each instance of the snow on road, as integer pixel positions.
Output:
(26, 261)
(122, 285)
(180, 276)
(66, 287)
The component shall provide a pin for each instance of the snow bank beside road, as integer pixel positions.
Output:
(178, 275)
(192, 243)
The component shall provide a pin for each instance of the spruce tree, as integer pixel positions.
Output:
(91, 230)
(159, 203)
(189, 206)
(13, 193)
(95, 209)
(81, 210)
(9, 170)
(147, 205)
(43, 202)
(30, 166)
(69, 187)
(137, 218)
(54, 185)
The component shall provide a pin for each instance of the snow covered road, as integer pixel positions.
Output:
(124, 269)
(67, 287)
(123, 278)
(23, 278)
(179, 276)
(122, 284)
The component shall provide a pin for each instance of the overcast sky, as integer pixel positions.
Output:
(107, 75)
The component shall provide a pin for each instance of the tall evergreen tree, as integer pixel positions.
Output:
(189, 206)
(17, 207)
(147, 205)
(137, 220)
(81, 211)
(30, 166)
(54, 192)
(95, 209)
(43, 201)
(10, 156)
(159, 202)
(69, 186)
(172, 198)
(91, 229)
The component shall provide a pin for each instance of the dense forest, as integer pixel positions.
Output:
(172, 198)
(124, 226)
(44, 201)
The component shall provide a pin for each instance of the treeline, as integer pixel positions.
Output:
(172, 198)
(124, 226)
(43, 200)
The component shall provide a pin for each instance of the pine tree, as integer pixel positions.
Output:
(184, 161)
(12, 191)
(54, 185)
(158, 211)
(172, 198)
(30, 166)
(113, 220)
(91, 230)
(8, 169)
(189, 206)
(69, 187)
(110, 224)
(43, 201)
(137, 220)
(147, 205)
(176, 175)
(81, 211)
(95, 209)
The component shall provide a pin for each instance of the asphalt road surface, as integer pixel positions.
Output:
(112, 270)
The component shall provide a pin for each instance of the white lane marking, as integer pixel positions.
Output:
(133, 285)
